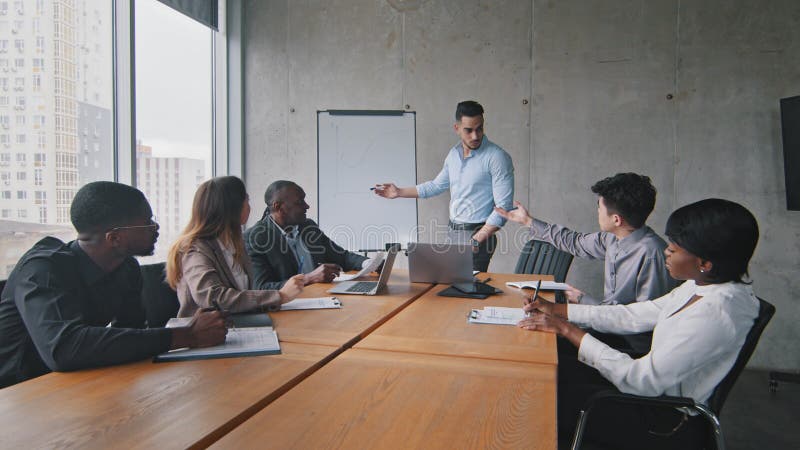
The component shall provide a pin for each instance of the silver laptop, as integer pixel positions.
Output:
(439, 263)
(369, 287)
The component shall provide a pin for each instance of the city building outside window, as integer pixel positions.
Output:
(170, 151)
(57, 62)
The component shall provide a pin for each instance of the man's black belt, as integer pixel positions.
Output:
(466, 226)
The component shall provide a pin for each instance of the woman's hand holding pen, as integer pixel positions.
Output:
(553, 309)
(540, 321)
(550, 317)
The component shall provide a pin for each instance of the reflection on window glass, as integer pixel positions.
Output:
(50, 107)
(173, 114)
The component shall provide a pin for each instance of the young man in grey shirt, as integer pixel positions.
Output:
(633, 253)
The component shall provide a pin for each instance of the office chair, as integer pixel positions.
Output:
(543, 258)
(160, 302)
(786, 377)
(710, 412)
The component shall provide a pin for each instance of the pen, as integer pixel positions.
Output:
(535, 295)
(372, 189)
(228, 322)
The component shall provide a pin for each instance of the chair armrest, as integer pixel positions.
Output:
(664, 400)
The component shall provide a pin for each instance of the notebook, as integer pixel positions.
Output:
(369, 287)
(245, 341)
(546, 285)
(236, 320)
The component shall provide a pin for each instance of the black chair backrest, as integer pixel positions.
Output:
(542, 258)
(160, 302)
(765, 313)
(2, 285)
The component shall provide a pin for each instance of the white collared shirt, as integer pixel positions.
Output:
(692, 350)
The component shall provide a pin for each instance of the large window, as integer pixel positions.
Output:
(45, 105)
(174, 117)
(67, 117)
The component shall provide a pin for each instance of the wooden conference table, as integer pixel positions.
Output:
(360, 314)
(424, 379)
(408, 396)
(150, 405)
(438, 326)
(381, 399)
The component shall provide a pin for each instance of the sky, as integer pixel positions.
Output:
(173, 82)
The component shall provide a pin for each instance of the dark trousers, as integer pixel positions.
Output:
(483, 254)
(481, 257)
(615, 425)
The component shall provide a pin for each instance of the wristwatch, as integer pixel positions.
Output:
(474, 242)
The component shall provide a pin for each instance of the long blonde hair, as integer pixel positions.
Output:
(216, 214)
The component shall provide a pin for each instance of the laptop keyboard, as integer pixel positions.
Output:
(362, 286)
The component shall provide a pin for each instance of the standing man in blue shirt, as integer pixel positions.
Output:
(479, 175)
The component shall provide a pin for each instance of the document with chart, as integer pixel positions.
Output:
(496, 315)
(312, 303)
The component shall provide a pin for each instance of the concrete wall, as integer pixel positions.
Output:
(686, 92)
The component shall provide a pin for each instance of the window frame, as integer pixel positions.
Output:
(227, 105)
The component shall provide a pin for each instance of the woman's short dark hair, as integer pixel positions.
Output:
(720, 231)
(102, 205)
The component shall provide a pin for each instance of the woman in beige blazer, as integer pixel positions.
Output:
(207, 265)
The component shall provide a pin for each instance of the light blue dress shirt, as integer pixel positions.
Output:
(477, 183)
(305, 262)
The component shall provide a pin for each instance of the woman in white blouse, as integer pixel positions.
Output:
(208, 266)
(698, 330)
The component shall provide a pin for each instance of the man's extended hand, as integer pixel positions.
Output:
(325, 273)
(387, 190)
(518, 215)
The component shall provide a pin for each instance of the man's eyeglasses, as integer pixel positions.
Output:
(152, 226)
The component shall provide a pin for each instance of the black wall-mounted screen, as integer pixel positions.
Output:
(790, 126)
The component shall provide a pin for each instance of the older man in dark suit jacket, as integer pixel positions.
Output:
(284, 242)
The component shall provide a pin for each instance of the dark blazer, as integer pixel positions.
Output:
(273, 260)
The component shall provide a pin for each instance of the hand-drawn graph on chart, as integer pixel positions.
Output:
(356, 150)
(369, 151)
